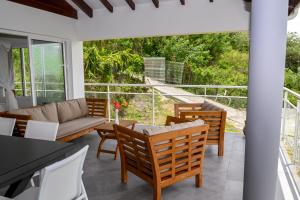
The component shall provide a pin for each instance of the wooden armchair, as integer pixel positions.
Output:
(214, 116)
(163, 159)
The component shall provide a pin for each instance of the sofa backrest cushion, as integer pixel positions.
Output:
(69, 110)
(154, 130)
(47, 112)
(83, 106)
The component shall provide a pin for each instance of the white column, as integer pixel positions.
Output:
(266, 79)
(74, 69)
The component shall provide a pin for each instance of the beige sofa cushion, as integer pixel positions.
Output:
(76, 125)
(50, 112)
(69, 110)
(36, 113)
(83, 106)
(47, 112)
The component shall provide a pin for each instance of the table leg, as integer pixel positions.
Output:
(17, 187)
(100, 146)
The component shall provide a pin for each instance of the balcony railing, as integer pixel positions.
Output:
(152, 92)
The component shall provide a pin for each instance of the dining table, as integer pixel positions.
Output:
(21, 157)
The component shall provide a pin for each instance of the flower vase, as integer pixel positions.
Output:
(117, 116)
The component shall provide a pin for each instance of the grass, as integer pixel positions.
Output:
(230, 128)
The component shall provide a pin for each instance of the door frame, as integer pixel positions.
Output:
(46, 38)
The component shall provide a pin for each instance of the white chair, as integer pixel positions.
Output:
(7, 126)
(61, 180)
(41, 130)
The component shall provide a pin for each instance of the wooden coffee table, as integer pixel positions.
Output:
(106, 131)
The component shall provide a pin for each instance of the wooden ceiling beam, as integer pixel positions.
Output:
(107, 5)
(156, 3)
(182, 2)
(131, 4)
(84, 7)
(58, 7)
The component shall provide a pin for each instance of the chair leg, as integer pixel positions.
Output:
(124, 175)
(198, 180)
(116, 152)
(157, 193)
(100, 146)
(221, 149)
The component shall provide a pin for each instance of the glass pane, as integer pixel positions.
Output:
(21, 72)
(48, 65)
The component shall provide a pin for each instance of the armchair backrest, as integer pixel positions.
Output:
(165, 158)
(175, 120)
(215, 119)
(182, 107)
(97, 107)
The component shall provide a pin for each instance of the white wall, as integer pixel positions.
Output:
(38, 24)
(171, 18)
(22, 18)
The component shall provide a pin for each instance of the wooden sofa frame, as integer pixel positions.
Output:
(213, 116)
(163, 159)
(97, 108)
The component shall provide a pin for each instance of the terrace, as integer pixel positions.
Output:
(38, 31)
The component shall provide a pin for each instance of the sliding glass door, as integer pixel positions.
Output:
(48, 70)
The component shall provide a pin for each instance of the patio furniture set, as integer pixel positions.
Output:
(160, 155)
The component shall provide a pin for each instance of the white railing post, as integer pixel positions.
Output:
(284, 115)
(296, 135)
(153, 106)
(109, 102)
(205, 93)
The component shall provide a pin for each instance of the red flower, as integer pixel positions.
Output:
(117, 105)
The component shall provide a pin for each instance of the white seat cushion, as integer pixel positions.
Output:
(154, 130)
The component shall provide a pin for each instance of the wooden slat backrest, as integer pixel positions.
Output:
(97, 107)
(165, 158)
(181, 107)
(175, 120)
(215, 119)
(21, 122)
(178, 154)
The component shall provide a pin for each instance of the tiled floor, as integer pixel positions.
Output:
(223, 176)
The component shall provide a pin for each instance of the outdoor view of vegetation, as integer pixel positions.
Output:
(209, 59)
(212, 59)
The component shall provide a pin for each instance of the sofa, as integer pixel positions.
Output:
(76, 117)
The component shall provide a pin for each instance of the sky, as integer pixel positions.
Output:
(294, 24)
